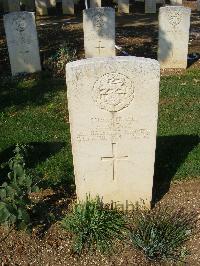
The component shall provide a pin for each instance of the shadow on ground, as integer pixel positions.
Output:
(171, 152)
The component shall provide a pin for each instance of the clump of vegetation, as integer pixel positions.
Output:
(161, 233)
(15, 203)
(57, 62)
(93, 226)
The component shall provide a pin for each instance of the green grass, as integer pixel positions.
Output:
(33, 110)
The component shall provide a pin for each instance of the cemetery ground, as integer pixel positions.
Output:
(33, 112)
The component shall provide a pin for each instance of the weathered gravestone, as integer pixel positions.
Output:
(150, 6)
(176, 2)
(68, 7)
(113, 109)
(123, 6)
(99, 31)
(22, 42)
(174, 24)
(41, 7)
(51, 3)
(95, 3)
(13, 5)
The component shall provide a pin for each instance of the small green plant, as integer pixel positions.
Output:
(161, 233)
(15, 203)
(93, 226)
(58, 61)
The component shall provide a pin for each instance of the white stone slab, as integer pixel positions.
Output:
(99, 31)
(150, 6)
(13, 5)
(95, 3)
(174, 24)
(22, 42)
(68, 7)
(41, 7)
(113, 110)
(51, 3)
(123, 6)
(176, 2)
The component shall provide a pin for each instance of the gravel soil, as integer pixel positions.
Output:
(54, 246)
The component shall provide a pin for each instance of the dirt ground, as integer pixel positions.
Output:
(54, 246)
(137, 34)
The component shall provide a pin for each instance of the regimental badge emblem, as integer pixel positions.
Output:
(113, 92)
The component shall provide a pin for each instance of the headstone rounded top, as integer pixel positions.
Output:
(98, 9)
(18, 13)
(174, 8)
(89, 61)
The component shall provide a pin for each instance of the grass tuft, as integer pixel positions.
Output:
(161, 233)
(93, 226)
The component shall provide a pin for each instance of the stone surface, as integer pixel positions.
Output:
(22, 42)
(150, 6)
(51, 3)
(174, 24)
(13, 5)
(95, 3)
(41, 7)
(99, 31)
(198, 5)
(113, 109)
(123, 6)
(176, 2)
(68, 7)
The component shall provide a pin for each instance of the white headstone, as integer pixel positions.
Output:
(13, 5)
(51, 3)
(150, 6)
(41, 7)
(176, 2)
(68, 7)
(99, 31)
(22, 42)
(113, 109)
(174, 24)
(95, 3)
(123, 6)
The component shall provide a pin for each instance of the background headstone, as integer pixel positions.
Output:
(99, 31)
(51, 3)
(41, 7)
(68, 7)
(22, 42)
(123, 6)
(174, 24)
(150, 6)
(13, 5)
(95, 3)
(113, 109)
(176, 2)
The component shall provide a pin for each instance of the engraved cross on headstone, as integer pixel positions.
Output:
(99, 47)
(113, 158)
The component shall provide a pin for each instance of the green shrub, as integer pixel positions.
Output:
(93, 226)
(58, 61)
(14, 194)
(161, 233)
